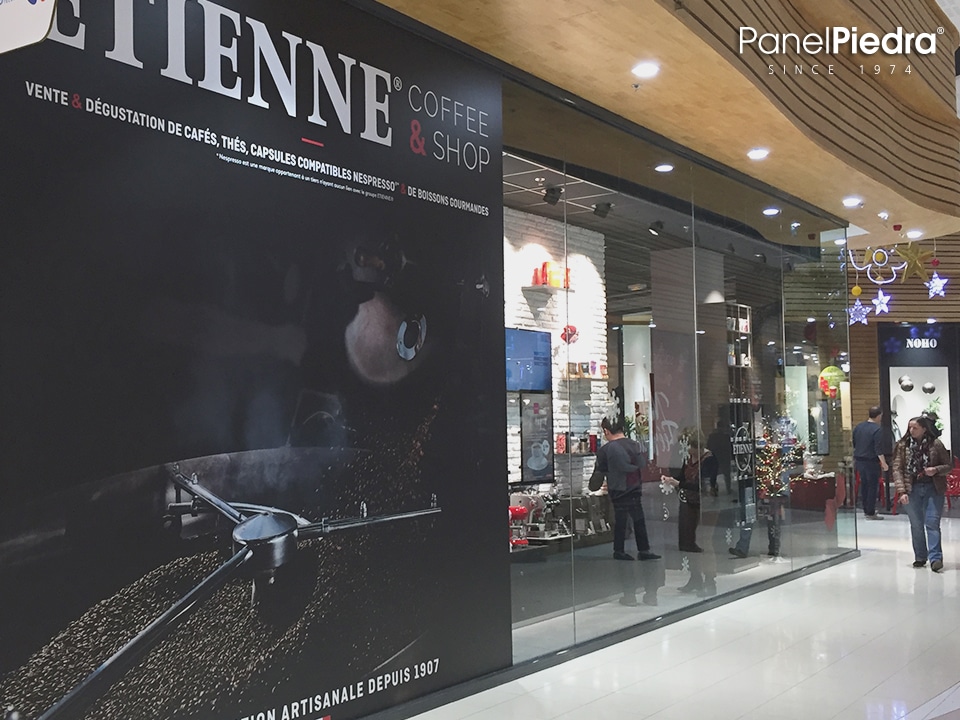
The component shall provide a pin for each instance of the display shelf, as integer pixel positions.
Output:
(546, 289)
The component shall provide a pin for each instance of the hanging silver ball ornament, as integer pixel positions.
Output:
(929, 388)
(903, 378)
(906, 384)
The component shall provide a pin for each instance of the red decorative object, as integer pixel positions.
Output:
(536, 277)
(897, 227)
(570, 334)
(935, 262)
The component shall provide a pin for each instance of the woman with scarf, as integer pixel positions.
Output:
(920, 467)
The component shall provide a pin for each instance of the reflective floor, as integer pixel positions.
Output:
(871, 638)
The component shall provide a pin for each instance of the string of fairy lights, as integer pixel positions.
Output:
(883, 267)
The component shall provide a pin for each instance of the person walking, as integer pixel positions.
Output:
(619, 459)
(920, 467)
(869, 459)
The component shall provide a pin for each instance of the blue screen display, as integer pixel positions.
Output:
(528, 360)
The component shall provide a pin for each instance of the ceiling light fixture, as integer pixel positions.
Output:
(758, 153)
(840, 241)
(664, 168)
(883, 215)
(914, 234)
(602, 209)
(931, 321)
(551, 195)
(646, 70)
(656, 227)
(794, 225)
(771, 211)
(852, 201)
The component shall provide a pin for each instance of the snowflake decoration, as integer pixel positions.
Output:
(880, 303)
(935, 285)
(684, 447)
(858, 313)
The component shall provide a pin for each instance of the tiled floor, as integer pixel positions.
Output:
(871, 638)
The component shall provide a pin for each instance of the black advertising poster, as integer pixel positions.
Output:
(252, 365)
(536, 437)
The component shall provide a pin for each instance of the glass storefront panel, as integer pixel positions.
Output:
(666, 300)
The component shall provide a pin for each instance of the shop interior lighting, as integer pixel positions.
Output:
(852, 201)
(646, 70)
(602, 209)
(664, 168)
(794, 225)
(551, 195)
(811, 319)
(914, 234)
(656, 227)
(771, 211)
(840, 241)
(931, 321)
(757, 153)
(883, 215)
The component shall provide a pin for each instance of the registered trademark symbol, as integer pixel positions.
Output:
(939, 31)
(398, 83)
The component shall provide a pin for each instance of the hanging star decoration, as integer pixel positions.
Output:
(858, 313)
(876, 263)
(880, 303)
(935, 285)
(916, 259)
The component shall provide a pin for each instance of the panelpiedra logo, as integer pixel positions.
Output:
(834, 40)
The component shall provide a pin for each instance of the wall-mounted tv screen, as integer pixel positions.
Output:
(528, 360)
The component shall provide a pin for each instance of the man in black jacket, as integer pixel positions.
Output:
(869, 460)
(619, 459)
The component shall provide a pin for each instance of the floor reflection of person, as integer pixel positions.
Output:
(699, 467)
(920, 467)
(619, 460)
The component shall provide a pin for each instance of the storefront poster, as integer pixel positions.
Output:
(252, 251)
(536, 435)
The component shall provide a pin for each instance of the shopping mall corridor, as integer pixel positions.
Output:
(870, 639)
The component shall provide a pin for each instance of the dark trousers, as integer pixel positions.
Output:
(687, 521)
(627, 508)
(869, 471)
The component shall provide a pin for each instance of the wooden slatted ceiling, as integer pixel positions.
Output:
(852, 134)
(930, 87)
(892, 142)
(911, 301)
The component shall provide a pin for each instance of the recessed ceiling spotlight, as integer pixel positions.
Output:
(852, 201)
(701, 332)
(883, 215)
(757, 153)
(652, 324)
(656, 227)
(811, 319)
(794, 225)
(664, 167)
(931, 321)
(771, 211)
(771, 342)
(539, 180)
(914, 234)
(645, 70)
(840, 241)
